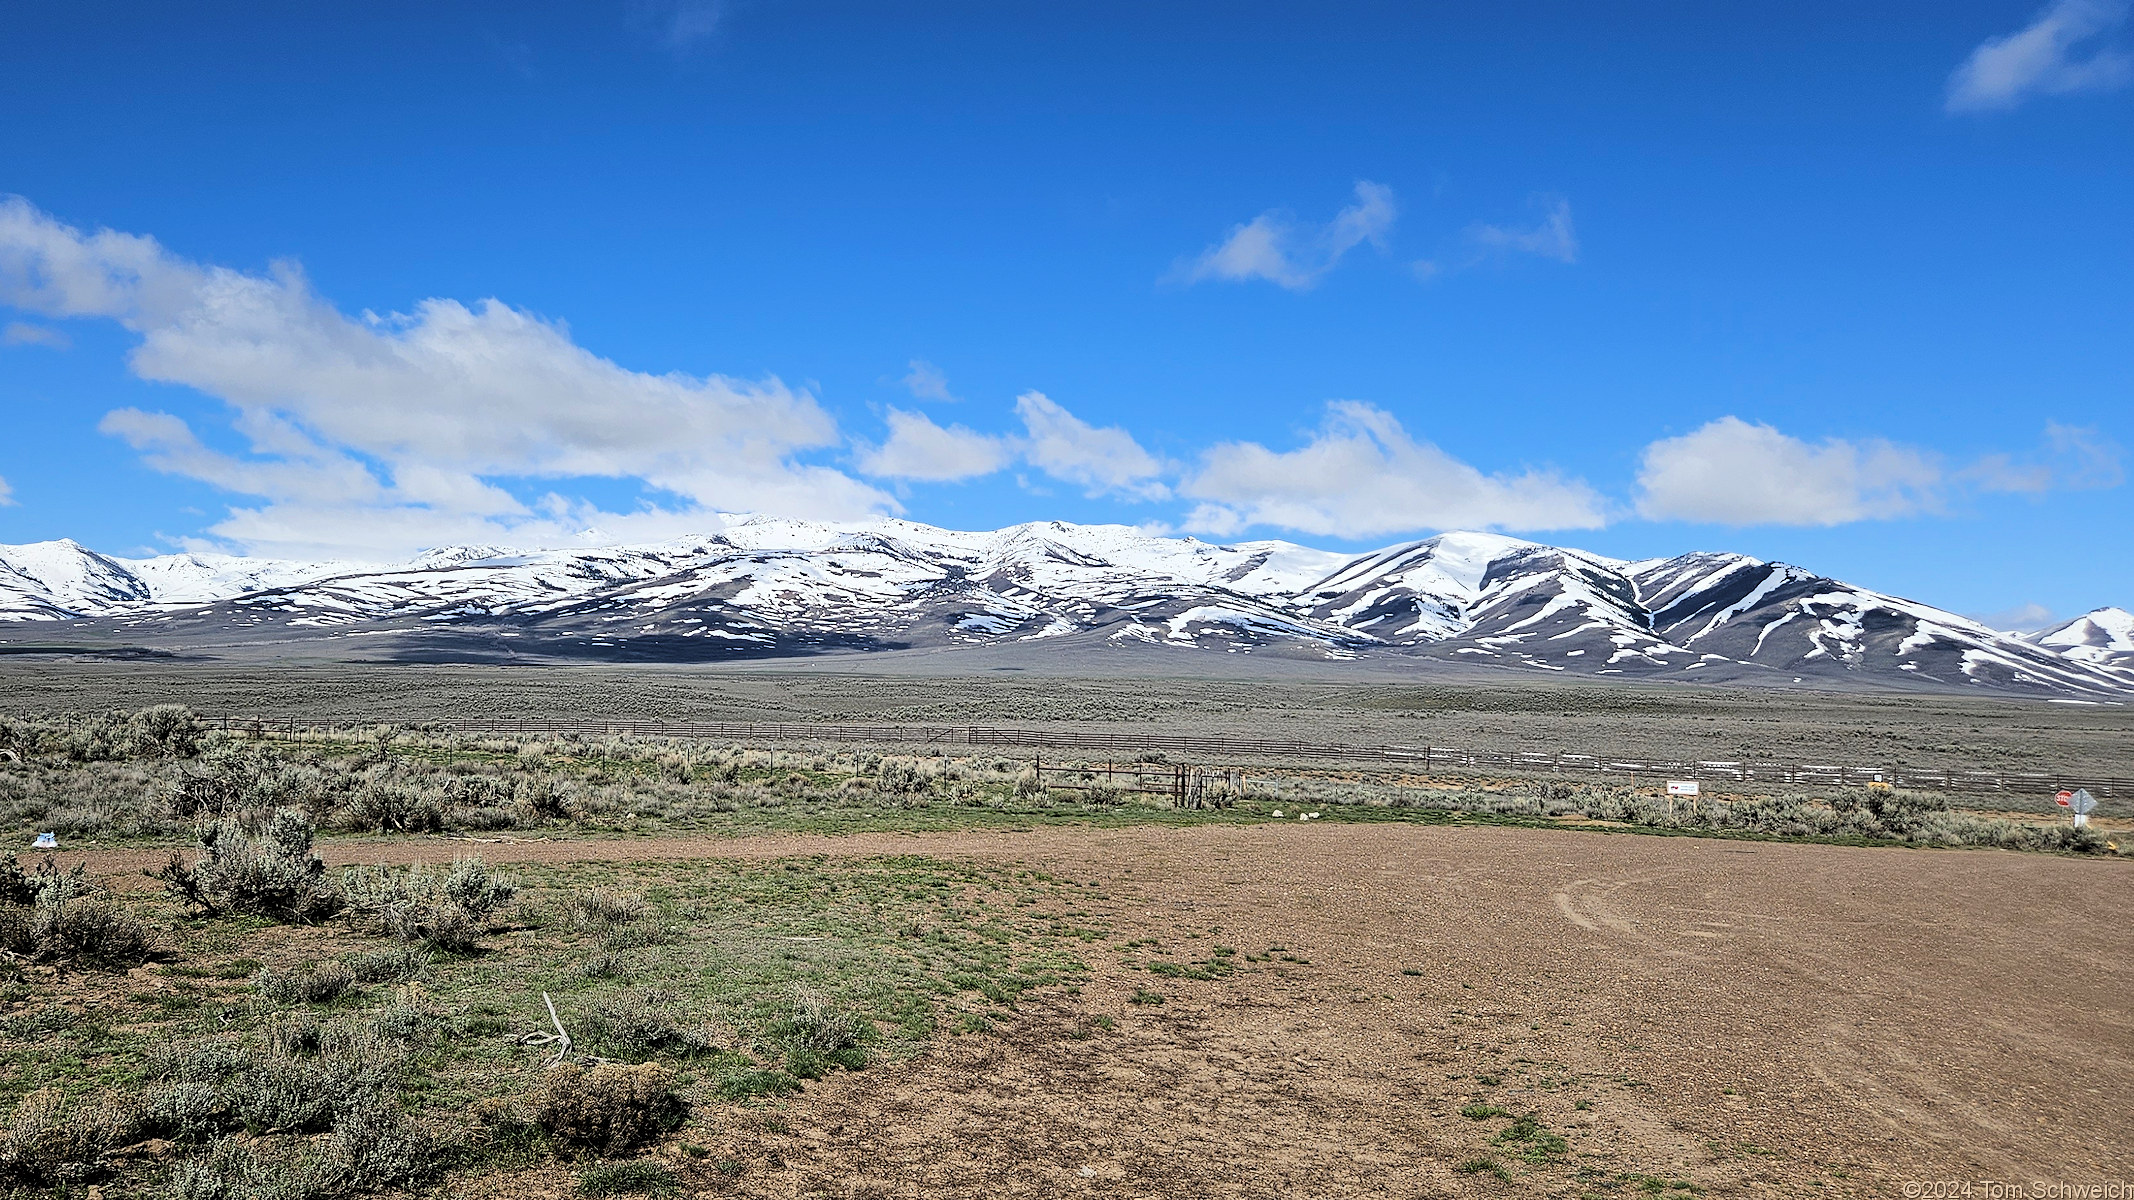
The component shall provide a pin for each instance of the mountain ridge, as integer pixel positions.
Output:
(767, 586)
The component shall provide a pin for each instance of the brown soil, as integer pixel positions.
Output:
(1754, 1018)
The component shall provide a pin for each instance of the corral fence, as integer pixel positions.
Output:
(1188, 787)
(1181, 781)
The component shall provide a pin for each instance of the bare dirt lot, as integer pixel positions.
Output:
(1684, 1014)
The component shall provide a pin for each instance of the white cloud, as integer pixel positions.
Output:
(310, 476)
(7, 494)
(1273, 247)
(925, 381)
(414, 416)
(1066, 447)
(2041, 58)
(2073, 458)
(1362, 475)
(22, 333)
(678, 24)
(1552, 238)
(1731, 472)
(693, 20)
(919, 449)
(2023, 618)
(1055, 441)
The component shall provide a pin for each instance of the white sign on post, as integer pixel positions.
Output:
(1681, 787)
(2082, 804)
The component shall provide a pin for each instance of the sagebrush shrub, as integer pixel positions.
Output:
(449, 910)
(90, 931)
(901, 776)
(231, 781)
(278, 1090)
(376, 1146)
(18, 886)
(242, 1169)
(50, 1140)
(52, 916)
(166, 731)
(268, 872)
(184, 1110)
(381, 807)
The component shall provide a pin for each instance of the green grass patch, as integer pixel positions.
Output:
(1485, 1165)
(741, 981)
(1531, 1140)
(640, 1178)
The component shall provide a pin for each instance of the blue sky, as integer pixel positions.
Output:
(1844, 285)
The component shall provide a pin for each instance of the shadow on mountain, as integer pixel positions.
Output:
(648, 648)
(116, 653)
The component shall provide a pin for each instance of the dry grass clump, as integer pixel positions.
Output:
(619, 922)
(597, 910)
(388, 964)
(639, 1024)
(606, 1108)
(816, 1035)
(318, 984)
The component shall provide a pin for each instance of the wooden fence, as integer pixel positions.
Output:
(1233, 749)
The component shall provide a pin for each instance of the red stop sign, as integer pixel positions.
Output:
(2064, 799)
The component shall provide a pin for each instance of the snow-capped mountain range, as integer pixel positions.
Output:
(761, 586)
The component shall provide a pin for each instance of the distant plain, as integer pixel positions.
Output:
(1205, 694)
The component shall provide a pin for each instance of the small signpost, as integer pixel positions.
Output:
(2078, 802)
(1681, 787)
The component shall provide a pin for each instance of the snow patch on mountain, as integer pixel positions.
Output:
(775, 585)
(2103, 637)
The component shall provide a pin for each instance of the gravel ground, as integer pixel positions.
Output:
(1751, 1019)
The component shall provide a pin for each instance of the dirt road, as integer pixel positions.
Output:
(1746, 1018)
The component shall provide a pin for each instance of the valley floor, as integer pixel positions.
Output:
(1326, 703)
